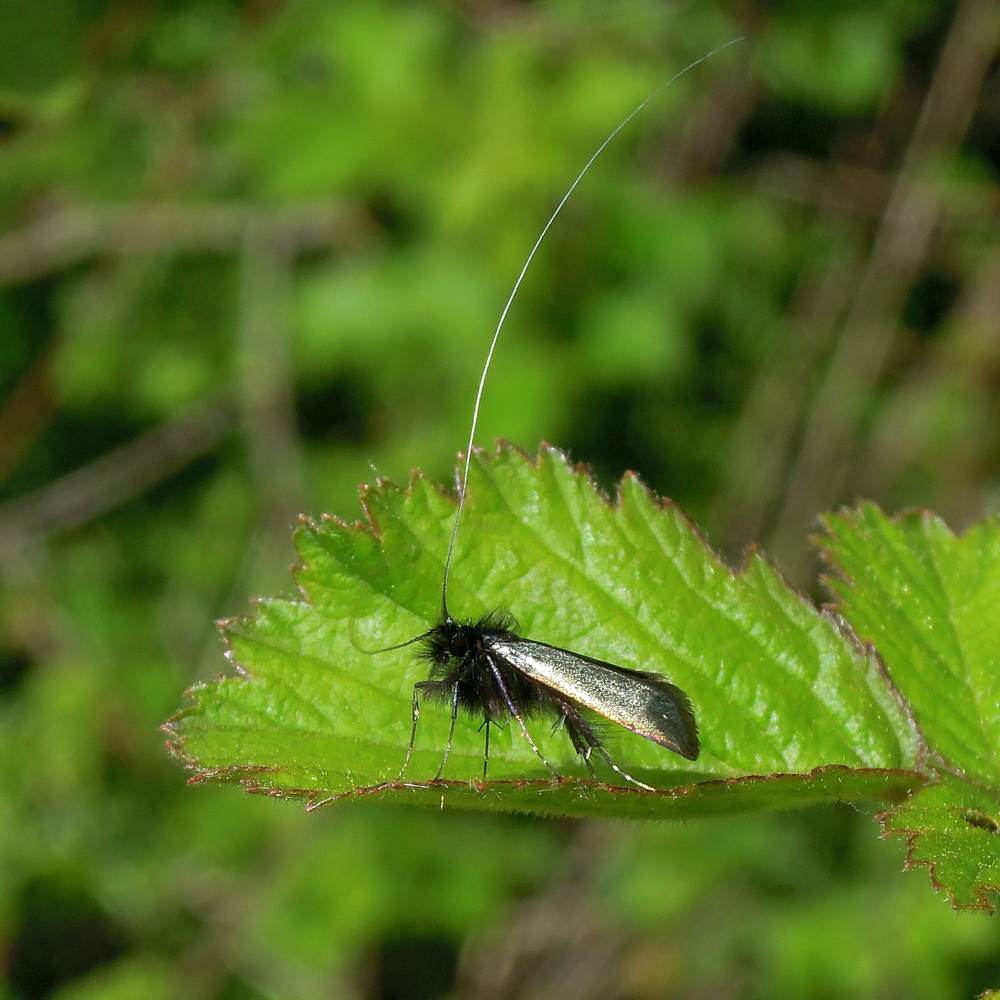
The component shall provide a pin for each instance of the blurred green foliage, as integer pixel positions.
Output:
(252, 250)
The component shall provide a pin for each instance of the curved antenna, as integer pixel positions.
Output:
(352, 637)
(464, 482)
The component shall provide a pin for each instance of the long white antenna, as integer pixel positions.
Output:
(463, 485)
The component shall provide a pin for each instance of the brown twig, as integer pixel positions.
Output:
(121, 474)
(901, 244)
(66, 235)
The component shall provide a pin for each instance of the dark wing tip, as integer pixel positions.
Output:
(682, 736)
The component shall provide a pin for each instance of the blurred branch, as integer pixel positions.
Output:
(845, 190)
(900, 245)
(118, 476)
(792, 430)
(68, 234)
(763, 443)
(269, 239)
(266, 375)
(765, 435)
(712, 126)
(557, 943)
(266, 395)
(24, 412)
(955, 385)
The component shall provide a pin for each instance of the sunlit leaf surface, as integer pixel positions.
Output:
(778, 687)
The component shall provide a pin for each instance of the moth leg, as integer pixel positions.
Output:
(583, 749)
(486, 748)
(512, 708)
(451, 731)
(585, 741)
(488, 721)
(415, 715)
(427, 687)
(581, 735)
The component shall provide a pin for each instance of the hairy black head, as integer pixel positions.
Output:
(455, 641)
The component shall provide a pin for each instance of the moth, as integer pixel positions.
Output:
(485, 668)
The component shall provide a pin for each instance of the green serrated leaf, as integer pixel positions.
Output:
(778, 687)
(953, 829)
(927, 600)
